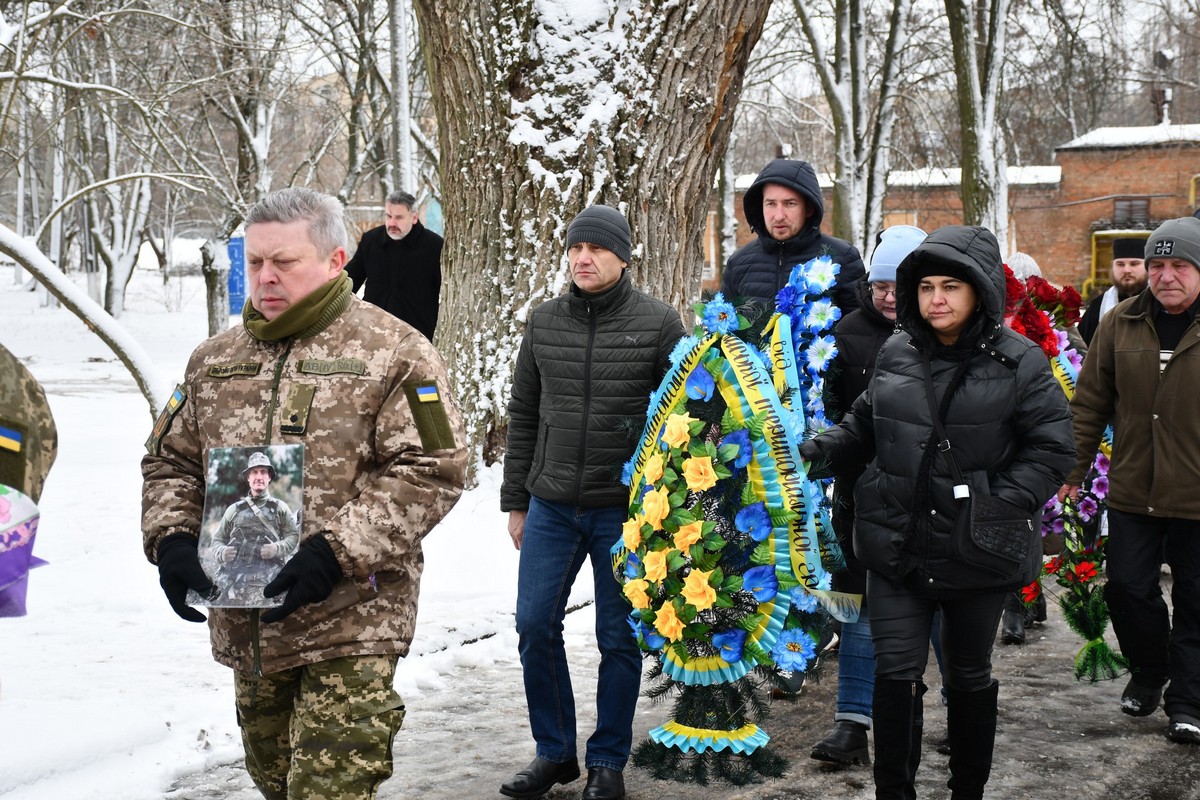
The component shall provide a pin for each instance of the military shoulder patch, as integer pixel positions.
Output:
(433, 426)
(163, 423)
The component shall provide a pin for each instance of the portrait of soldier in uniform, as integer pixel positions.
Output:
(255, 537)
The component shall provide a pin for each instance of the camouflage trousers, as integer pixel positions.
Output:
(322, 730)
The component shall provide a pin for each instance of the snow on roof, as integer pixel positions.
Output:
(937, 176)
(1133, 137)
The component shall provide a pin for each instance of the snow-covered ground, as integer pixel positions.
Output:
(104, 692)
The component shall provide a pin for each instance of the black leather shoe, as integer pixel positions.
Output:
(1141, 699)
(846, 745)
(604, 784)
(539, 777)
(1012, 627)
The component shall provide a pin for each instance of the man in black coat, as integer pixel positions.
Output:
(784, 207)
(400, 261)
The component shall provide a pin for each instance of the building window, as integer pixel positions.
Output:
(1131, 213)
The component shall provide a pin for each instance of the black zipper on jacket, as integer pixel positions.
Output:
(587, 399)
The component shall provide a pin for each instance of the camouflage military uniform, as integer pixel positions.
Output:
(246, 526)
(384, 461)
(28, 438)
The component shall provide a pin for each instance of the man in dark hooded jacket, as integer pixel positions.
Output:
(784, 207)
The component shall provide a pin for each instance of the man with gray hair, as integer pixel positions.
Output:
(1142, 375)
(384, 460)
(400, 262)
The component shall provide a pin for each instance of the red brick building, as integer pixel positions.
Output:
(1107, 183)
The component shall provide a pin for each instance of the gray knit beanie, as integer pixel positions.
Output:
(602, 225)
(1175, 238)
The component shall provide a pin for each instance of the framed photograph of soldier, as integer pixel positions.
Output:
(253, 499)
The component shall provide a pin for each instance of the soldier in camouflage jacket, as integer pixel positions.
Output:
(384, 461)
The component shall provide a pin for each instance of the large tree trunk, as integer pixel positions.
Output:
(630, 107)
(977, 33)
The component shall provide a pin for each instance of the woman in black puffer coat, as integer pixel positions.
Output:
(1009, 428)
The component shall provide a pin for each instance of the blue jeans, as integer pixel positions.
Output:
(557, 539)
(856, 671)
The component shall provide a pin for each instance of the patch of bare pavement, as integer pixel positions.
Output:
(1058, 739)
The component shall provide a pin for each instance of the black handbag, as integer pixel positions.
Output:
(992, 535)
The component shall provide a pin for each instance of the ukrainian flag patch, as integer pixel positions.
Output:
(429, 415)
(163, 423)
(11, 439)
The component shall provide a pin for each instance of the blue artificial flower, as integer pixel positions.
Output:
(682, 348)
(821, 315)
(719, 316)
(819, 354)
(798, 278)
(745, 452)
(632, 562)
(825, 582)
(627, 471)
(802, 600)
(654, 639)
(787, 299)
(700, 385)
(762, 582)
(634, 624)
(730, 643)
(818, 422)
(754, 520)
(820, 274)
(793, 650)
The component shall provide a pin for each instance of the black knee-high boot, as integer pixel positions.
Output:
(897, 720)
(971, 719)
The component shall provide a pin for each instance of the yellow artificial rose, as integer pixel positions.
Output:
(677, 433)
(688, 535)
(697, 591)
(655, 506)
(668, 624)
(631, 532)
(654, 468)
(635, 592)
(698, 472)
(656, 565)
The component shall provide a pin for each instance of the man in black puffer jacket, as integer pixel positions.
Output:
(587, 365)
(784, 207)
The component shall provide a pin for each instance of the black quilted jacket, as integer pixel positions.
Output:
(584, 375)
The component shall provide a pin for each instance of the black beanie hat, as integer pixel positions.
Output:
(602, 225)
(1128, 248)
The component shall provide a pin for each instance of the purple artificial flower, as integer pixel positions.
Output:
(729, 643)
(1088, 508)
(1100, 487)
(1101, 464)
(761, 582)
(754, 520)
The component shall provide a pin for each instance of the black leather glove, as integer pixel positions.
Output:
(179, 570)
(308, 577)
